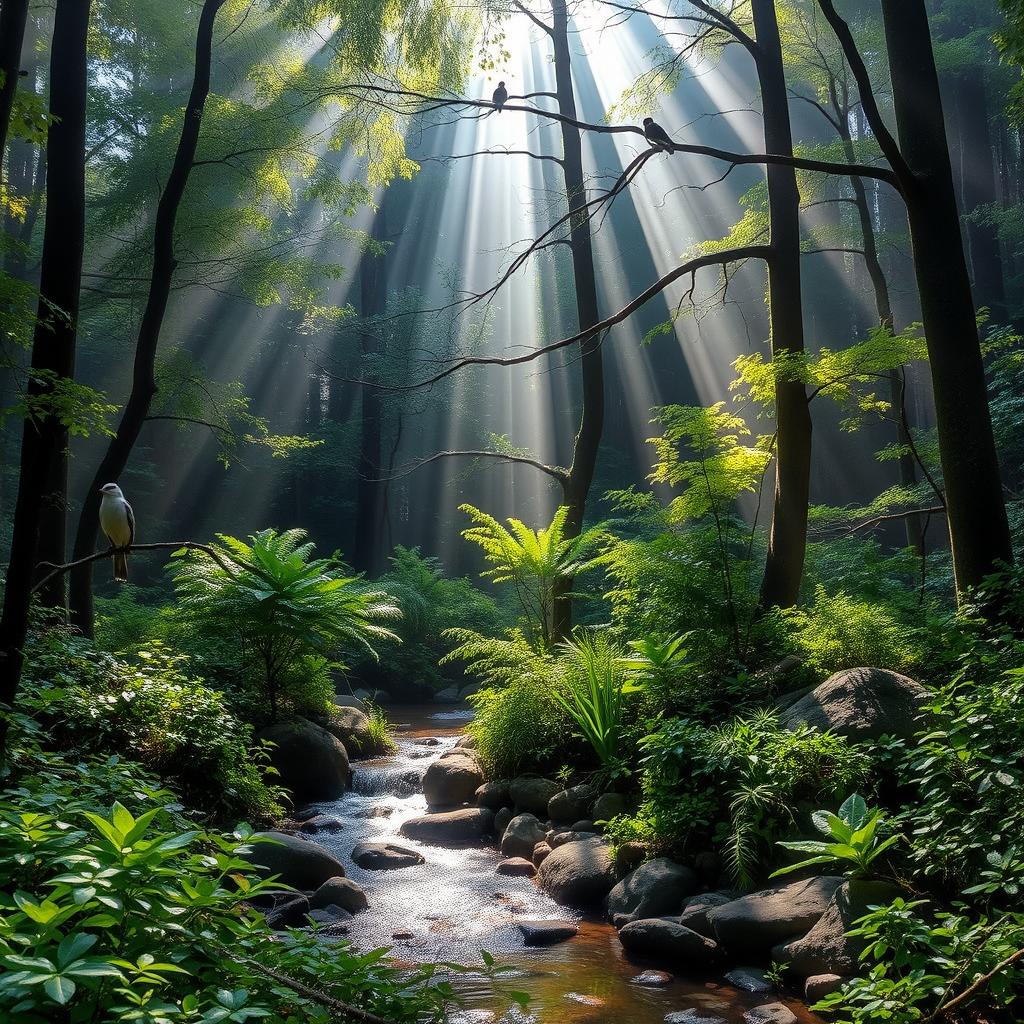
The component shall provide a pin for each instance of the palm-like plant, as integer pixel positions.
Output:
(535, 562)
(283, 605)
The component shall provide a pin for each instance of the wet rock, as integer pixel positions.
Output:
(607, 806)
(540, 853)
(312, 763)
(382, 811)
(827, 948)
(770, 1013)
(752, 925)
(658, 887)
(518, 867)
(749, 979)
(304, 814)
(450, 828)
(449, 781)
(556, 839)
(300, 863)
(860, 704)
(629, 855)
(429, 741)
(652, 979)
(692, 1017)
(287, 911)
(668, 940)
(521, 835)
(493, 794)
(467, 742)
(330, 915)
(403, 935)
(501, 820)
(546, 933)
(532, 794)
(385, 856)
(695, 913)
(322, 823)
(352, 727)
(578, 874)
(340, 892)
(820, 985)
(583, 1000)
(571, 804)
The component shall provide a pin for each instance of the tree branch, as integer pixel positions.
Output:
(555, 472)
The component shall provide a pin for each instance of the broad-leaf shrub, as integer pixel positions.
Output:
(122, 914)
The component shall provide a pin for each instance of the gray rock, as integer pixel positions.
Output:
(501, 821)
(571, 804)
(468, 690)
(652, 979)
(493, 794)
(750, 979)
(584, 825)
(449, 695)
(341, 892)
(695, 913)
(546, 933)
(692, 1017)
(578, 873)
(629, 856)
(300, 863)
(826, 948)
(770, 1013)
(467, 742)
(658, 887)
(330, 915)
(556, 839)
(540, 854)
(860, 704)
(450, 828)
(520, 837)
(312, 763)
(352, 727)
(322, 823)
(518, 867)
(532, 794)
(820, 985)
(385, 856)
(607, 806)
(753, 924)
(289, 910)
(667, 940)
(449, 781)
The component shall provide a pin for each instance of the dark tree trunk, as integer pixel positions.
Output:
(53, 345)
(144, 384)
(367, 554)
(13, 19)
(978, 528)
(787, 542)
(588, 438)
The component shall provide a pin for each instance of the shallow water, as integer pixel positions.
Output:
(455, 905)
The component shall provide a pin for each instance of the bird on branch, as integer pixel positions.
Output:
(117, 520)
(656, 135)
(500, 96)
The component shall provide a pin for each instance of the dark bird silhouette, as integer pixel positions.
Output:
(656, 135)
(500, 96)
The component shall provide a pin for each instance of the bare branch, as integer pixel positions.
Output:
(556, 472)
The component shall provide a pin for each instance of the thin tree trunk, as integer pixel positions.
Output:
(979, 533)
(13, 19)
(144, 384)
(588, 438)
(53, 344)
(787, 542)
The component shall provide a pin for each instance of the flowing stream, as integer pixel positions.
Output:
(454, 905)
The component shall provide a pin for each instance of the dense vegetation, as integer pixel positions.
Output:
(223, 201)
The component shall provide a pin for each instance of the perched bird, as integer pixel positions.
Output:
(500, 96)
(656, 135)
(118, 522)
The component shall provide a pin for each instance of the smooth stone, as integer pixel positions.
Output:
(521, 836)
(452, 780)
(820, 985)
(501, 820)
(607, 806)
(493, 794)
(652, 979)
(300, 863)
(311, 762)
(668, 940)
(770, 1013)
(691, 1017)
(546, 933)
(584, 825)
(579, 874)
(450, 828)
(571, 804)
(330, 915)
(658, 887)
(750, 979)
(583, 1000)
(695, 913)
(540, 854)
(532, 794)
(385, 856)
(517, 867)
(340, 892)
(322, 823)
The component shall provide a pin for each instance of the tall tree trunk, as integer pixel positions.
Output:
(13, 19)
(53, 345)
(979, 533)
(368, 552)
(588, 438)
(144, 384)
(787, 542)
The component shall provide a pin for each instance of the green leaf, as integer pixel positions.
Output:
(74, 946)
(59, 989)
(854, 811)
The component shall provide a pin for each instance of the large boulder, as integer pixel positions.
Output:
(607, 806)
(827, 948)
(754, 924)
(339, 892)
(385, 856)
(450, 828)
(351, 725)
(450, 781)
(546, 933)
(695, 913)
(449, 695)
(502, 818)
(668, 941)
(578, 874)
(572, 804)
(860, 704)
(530, 793)
(312, 763)
(655, 888)
(521, 836)
(300, 863)
(493, 794)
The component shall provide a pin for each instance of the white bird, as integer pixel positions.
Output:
(117, 521)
